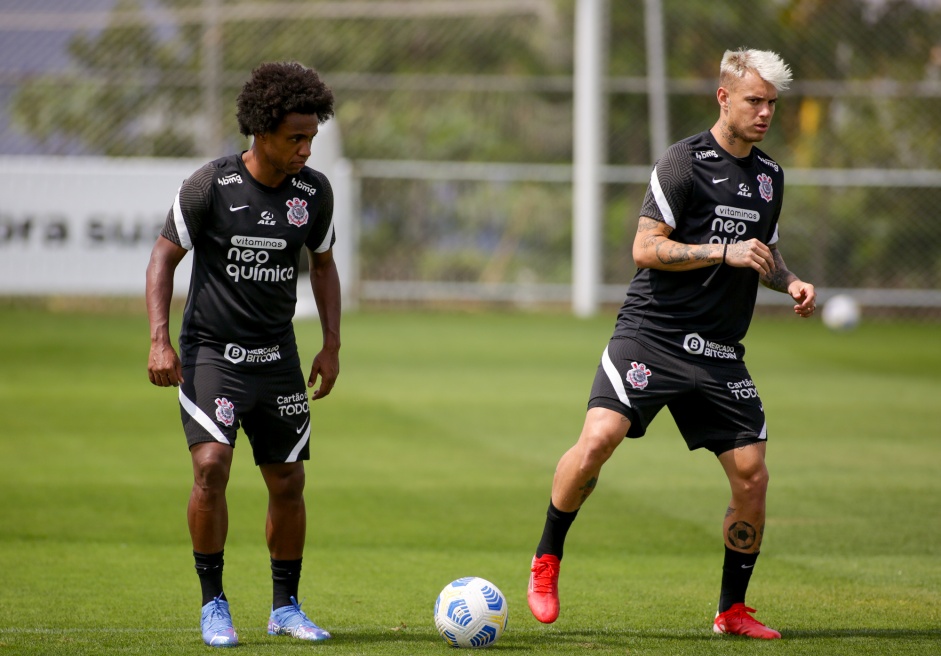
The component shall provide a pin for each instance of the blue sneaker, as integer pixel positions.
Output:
(291, 620)
(216, 623)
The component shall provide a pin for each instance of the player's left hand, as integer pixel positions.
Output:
(805, 296)
(327, 366)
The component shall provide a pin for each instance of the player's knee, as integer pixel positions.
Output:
(760, 479)
(211, 474)
(286, 483)
(598, 444)
(211, 464)
(753, 484)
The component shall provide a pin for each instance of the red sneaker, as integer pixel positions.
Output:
(737, 621)
(543, 593)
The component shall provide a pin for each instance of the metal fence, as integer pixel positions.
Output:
(457, 116)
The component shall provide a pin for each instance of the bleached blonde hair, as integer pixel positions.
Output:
(769, 66)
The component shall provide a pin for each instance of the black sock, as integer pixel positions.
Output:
(553, 535)
(209, 569)
(285, 577)
(736, 572)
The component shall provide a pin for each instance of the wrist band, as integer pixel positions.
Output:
(716, 270)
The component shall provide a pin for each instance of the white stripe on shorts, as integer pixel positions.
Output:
(202, 418)
(616, 381)
(292, 457)
(763, 435)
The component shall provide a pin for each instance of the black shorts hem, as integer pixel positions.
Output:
(718, 447)
(618, 407)
(193, 440)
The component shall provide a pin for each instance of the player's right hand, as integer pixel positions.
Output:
(751, 254)
(164, 367)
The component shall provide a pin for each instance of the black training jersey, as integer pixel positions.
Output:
(707, 196)
(246, 240)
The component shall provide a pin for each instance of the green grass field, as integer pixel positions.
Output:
(432, 460)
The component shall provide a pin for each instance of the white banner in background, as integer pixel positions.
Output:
(77, 225)
(86, 225)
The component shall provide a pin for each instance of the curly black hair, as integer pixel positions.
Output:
(277, 89)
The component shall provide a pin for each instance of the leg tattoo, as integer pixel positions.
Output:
(588, 488)
(742, 535)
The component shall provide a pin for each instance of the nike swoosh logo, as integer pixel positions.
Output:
(714, 181)
(303, 426)
(236, 209)
(747, 566)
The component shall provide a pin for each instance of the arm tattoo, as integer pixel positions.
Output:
(650, 227)
(729, 511)
(780, 278)
(668, 251)
(646, 224)
(671, 252)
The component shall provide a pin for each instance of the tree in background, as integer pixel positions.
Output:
(498, 89)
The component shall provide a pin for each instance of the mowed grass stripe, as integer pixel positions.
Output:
(433, 460)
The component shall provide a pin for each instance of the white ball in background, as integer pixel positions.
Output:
(841, 312)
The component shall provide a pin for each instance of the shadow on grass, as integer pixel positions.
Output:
(534, 640)
(537, 640)
(699, 634)
(888, 634)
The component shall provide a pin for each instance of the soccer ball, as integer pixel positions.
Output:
(841, 313)
(471, 612)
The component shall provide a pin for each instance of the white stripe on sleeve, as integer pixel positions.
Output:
(774, 237)
(185, 240)
(661, 199)
(325, 244)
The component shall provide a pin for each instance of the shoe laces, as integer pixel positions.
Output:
(217, 612)
(741, 613)
(296, 607)
(544, 577)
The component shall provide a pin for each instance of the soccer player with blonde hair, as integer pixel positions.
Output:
(706, 237)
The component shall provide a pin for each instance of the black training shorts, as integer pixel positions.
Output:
(715, 405)
(272, 408)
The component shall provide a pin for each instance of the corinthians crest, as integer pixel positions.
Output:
(297, 212)
(764, 187)
(638, 375)
(225, 412)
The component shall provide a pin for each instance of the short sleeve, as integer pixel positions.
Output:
(323, 236)
(671, 183)
(190, 207)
